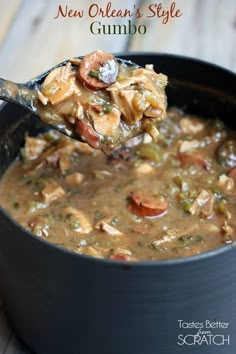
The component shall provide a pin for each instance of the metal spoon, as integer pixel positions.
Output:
(25, 95)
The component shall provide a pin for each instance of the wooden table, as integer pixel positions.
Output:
(32, 40)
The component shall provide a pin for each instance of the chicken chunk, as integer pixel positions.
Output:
(58, 85)
(75, 179)
(60, 74)
(123, 98)
(227, 230)
(226, 183)
(104, 123)
(191, 126)
(189, 145)
(203, 204)
(110, 230)
(138, 96)
(33, 147)
(52, 192)
(64, 163)
(144, 168)
(78, 219)
(173, 234)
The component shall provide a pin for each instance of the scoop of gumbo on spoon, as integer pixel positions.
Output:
(97, 99)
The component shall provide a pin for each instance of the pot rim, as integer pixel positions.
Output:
(178, 57)
(152, 263)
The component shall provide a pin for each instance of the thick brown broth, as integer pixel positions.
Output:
(148, 201)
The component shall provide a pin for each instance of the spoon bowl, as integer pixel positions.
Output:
(25, 94)
(98, 99)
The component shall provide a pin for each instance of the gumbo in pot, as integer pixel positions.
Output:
(145, 201)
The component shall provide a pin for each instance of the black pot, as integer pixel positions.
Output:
(60, 302)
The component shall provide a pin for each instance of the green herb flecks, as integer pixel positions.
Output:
(75, 225)
(115, 220)
(107, 108)
(16, 205)
(189, 240)
(68, 216)
(96, 74)
(98, 217)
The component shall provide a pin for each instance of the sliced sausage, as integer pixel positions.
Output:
(98, 70)
(143, 205)
(193, 158)
(88, 134)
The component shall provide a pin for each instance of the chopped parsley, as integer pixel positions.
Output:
(96, 74)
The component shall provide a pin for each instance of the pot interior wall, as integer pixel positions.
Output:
(15, 123)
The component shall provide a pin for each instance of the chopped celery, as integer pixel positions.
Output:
(151, 152)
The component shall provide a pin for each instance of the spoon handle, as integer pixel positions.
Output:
(20, 94)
